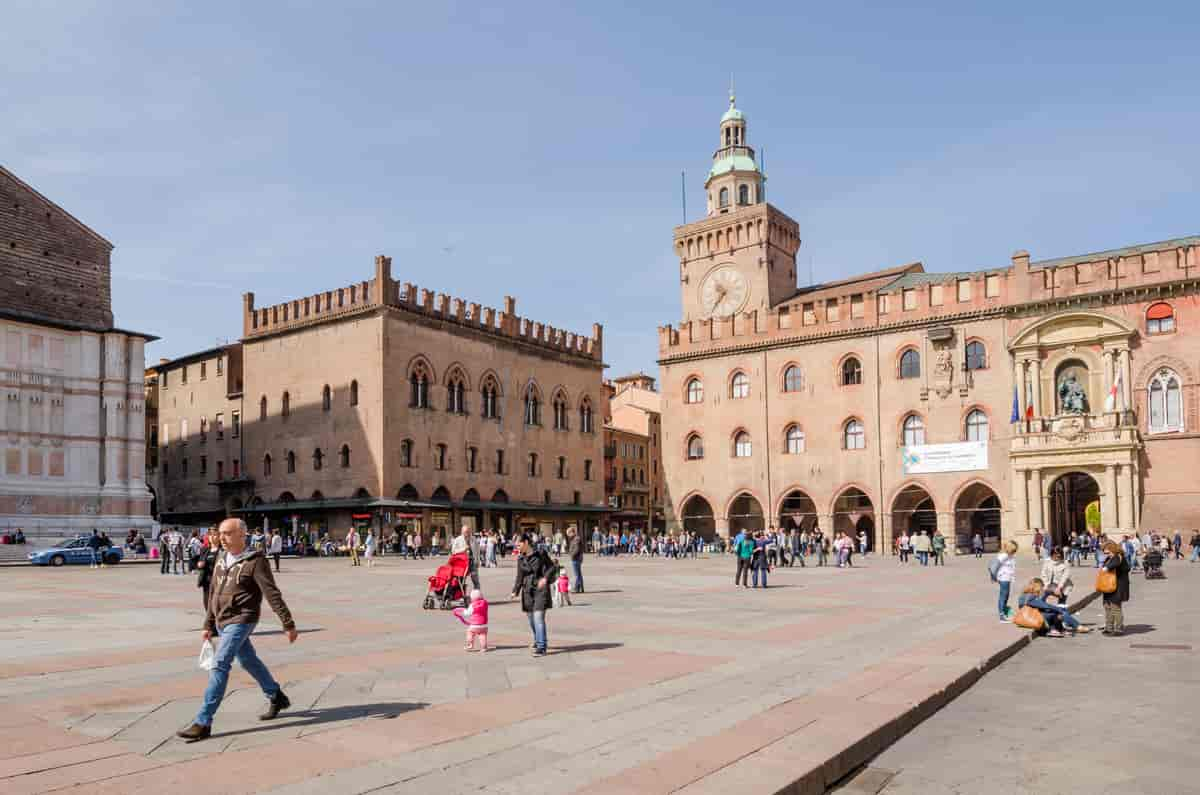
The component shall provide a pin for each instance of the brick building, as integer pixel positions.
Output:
(884, 402)
(633, 478)
(72, 426)
(384, 403)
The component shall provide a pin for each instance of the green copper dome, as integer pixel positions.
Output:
(733, 114)
(732, 163)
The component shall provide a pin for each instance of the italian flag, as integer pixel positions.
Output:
(1110, 402)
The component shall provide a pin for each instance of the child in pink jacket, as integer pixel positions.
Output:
(476, 619)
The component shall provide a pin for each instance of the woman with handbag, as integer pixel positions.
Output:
(1054, 618)
(1113, 582)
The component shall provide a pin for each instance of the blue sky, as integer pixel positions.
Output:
(534, 149)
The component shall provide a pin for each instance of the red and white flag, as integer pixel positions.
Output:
(1110, 402)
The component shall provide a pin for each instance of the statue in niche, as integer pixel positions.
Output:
(1071, 396)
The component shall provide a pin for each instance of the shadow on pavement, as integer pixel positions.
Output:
(1138, 629)
(585, 647)
(315, 717)
(281, 632)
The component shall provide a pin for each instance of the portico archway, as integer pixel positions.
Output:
(698, 518)
(1070, 496)
(745, 514)
(797, 512)
(913, 512)
(977, 511)
(849, 510)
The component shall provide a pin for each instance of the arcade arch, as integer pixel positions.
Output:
(853, 512)
(913, 511)
(977, 510)
(697, 516)
(745, 514)
(797, 511)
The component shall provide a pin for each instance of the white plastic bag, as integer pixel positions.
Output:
(208, 656)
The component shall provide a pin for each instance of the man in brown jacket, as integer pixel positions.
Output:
(241, 579)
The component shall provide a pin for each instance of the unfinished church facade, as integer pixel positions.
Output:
(997, 401)
(381, 403)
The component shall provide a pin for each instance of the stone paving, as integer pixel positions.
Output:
(663, 677)
(1087, 714)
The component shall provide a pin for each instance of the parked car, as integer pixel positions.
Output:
(75, 550)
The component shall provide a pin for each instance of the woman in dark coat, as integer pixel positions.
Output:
(206, 563)
(536, 573)
(1114, 618)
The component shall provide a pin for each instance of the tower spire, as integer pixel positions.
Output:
(732, 95)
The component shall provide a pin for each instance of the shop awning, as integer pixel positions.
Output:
(1166, 513)
(410, 506)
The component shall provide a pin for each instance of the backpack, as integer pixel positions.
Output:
(994, 569)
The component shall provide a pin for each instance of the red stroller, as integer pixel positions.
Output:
(446, 587)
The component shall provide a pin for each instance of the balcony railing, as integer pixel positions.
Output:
(1118, 428)
(610, 451)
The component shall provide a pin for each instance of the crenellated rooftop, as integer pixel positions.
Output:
(909, 295)
(382, 291)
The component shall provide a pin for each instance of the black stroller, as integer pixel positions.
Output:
(1153, 565)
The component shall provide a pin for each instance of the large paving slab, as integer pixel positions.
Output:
(663, 677)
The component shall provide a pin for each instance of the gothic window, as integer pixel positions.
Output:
(285, 405)
(695, 447)
(723, 202)
(795, 440)
(326, 398)
(976, 356)
(585, 416)
(1166, 406)
(418, 386)
(793, 379)
(1160, 319)
(851, 372)
(262, 408)
(910, 364)
(695, 391)
(354, 393)
(344, 456)
(977, 426)
(291, 463)
(533, 406)
(318, 459)
(406, 453)
(741, 445)
(267, 465)
(491, 405)
(455, 395)
(853, 436)
(914, 430)
(739, 385)
(560, 412)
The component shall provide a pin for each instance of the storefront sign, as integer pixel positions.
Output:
(926, 459)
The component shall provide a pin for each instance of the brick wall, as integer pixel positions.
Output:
(51, 266)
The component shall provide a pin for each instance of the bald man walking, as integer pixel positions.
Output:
(240, 581)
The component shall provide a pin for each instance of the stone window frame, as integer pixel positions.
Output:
(736, 385)
(919, 431)
(787, 439)
(1165, 375)
(698, 438)
(790, 386)
(687, 390)
(741, 443)
(841, 370)
(531, 399)
(901, 355)
(1157, 328)
(966, 423)
(967, 354)
(860, 434)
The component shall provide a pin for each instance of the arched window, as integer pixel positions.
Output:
(267, 465)
(695, 391)
(794, 438)
(695, 447)
(262, 408)
(318, 459)
(326, 398)
(354, 393)
(439, 456)
(291, 462)
(456, 395)
(976, 356)
(851, 372)
(741, 445)
(739, 385)
(853, 437)
(914, 430)
(723, 200)
(344, 456)
(585, 416)
(406, 453)
(285, 405)
(533, 406)
(531, 465)
(491, 404)
(1160, 319)
(793, 379)
(418, 386)
(743, 194)
(910, 364)
(977, 426)
(560, 412)
(1166, 406)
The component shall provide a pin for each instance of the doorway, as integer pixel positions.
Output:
(1070, 496)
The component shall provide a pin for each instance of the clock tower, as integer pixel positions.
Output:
(742, 255)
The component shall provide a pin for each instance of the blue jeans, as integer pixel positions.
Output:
(577, 567)
(234, 642)
(756, 571)
(1003, 601)
(1195, 554)
(537, 623)
(923, 557)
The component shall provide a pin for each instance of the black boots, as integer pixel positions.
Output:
(275, 706)
(195, 733)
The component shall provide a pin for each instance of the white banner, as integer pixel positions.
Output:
(925, 459)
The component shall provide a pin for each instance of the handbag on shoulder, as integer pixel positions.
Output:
(1106, 581)
(1029, 618)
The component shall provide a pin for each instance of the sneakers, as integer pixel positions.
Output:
(539, 652)
(275, 706)
(195, 733)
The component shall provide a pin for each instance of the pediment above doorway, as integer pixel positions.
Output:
(1074, 327)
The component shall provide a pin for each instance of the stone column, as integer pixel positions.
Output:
(1109, 520)
(1036, 517)
(1127, 387)
(1037, 387)
(1020, 389)
(1135, 492)
(722, 526)
(1108, 372)
(1126, 497)
(945, 526)
(1020, 505)
(883, 534)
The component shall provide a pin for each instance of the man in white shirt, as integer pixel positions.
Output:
(466, 542)
(276, 548)
(352, 542)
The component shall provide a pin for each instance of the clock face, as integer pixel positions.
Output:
(724, 292)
